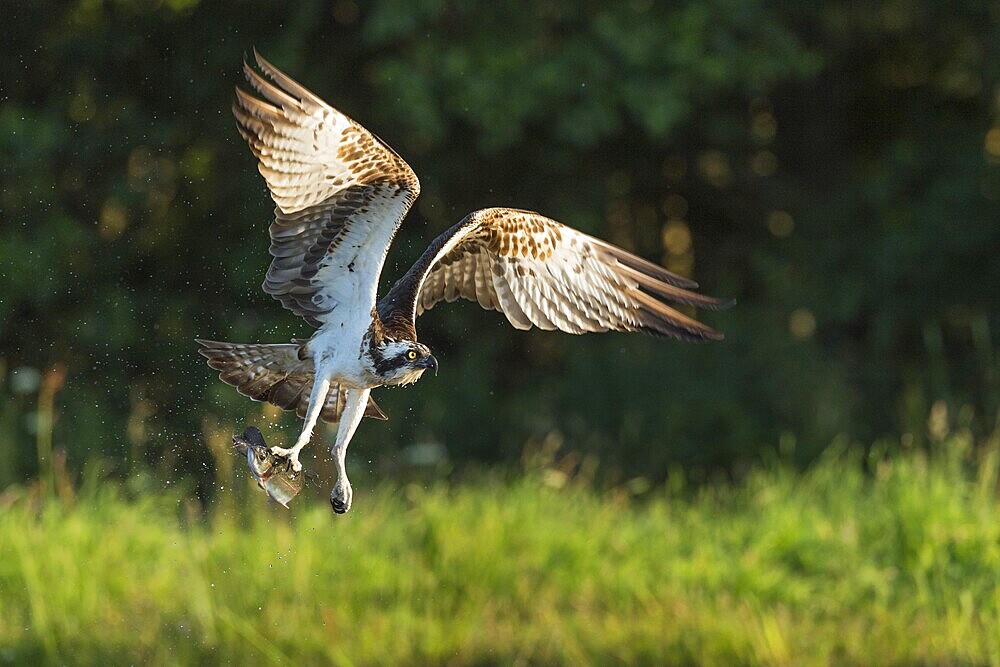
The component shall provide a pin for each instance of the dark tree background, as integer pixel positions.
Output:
(834, 166)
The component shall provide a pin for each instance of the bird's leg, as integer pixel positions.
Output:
(317, 398)
(354, 411)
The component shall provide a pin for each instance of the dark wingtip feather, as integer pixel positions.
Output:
(209, 346)
(644, 266)
(659, 318)
(670, 292)
(712, 303)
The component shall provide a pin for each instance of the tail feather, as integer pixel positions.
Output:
(275, 374)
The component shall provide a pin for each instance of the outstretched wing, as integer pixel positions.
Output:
(275, 374)
(341, 194)
(540, 273)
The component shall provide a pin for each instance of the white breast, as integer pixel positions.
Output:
(338, 346)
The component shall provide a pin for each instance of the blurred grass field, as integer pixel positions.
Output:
(858, 560)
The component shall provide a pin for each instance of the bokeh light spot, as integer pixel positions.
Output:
(780, 223)
(677, 237)
(113, 220)
(714, 168)
(801, 323)
(992, 143)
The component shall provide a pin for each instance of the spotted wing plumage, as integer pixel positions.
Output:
(276, 375)
(538, 272)
(340, 195)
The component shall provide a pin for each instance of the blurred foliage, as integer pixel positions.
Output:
(835, 167)
(860, 560)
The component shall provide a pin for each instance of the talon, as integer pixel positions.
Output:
(338, 506)
(340, 498)
(291, 454)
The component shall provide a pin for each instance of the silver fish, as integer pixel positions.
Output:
(273, 473)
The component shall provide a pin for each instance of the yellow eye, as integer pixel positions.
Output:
(411, 355)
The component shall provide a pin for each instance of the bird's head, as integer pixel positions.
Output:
(402, 362)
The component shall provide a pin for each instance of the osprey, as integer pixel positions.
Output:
(340, 194)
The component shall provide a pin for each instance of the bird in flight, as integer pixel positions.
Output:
(341, 194)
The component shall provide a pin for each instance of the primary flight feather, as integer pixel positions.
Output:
(340, 195)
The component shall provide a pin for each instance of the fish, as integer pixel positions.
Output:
(273, 473)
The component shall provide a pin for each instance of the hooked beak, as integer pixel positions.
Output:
(429, 362)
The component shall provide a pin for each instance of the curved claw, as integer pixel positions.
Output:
(341, 497)
(291, 454)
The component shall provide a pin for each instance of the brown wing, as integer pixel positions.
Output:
(341, 194)
(275, 374)
(540, 273)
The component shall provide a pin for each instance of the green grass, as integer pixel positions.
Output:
(900, 564)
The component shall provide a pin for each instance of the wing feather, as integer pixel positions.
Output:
(340, 194)
(509, 305)
(275, 374)
(538, 272)
(484, 287)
